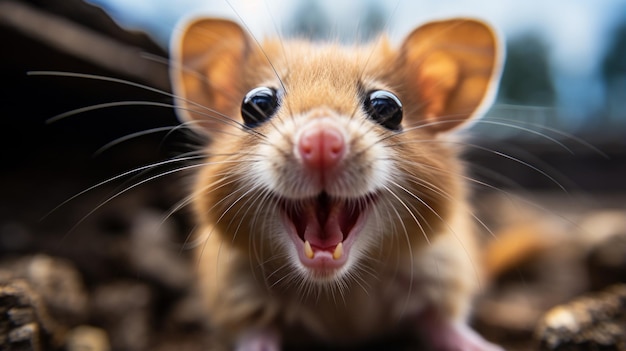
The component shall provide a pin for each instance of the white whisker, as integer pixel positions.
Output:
(119, 176)
(131, 136)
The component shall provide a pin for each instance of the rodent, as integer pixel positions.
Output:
(332, 204)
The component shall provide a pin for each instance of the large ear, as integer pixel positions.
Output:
(207, 56)
(454, 67)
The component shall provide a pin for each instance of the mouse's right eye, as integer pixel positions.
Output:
(258, 106)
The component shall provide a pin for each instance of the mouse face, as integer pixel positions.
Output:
(321, 154)
(329, 170)
(325, 165)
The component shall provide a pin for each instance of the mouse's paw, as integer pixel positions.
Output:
(259, 340)
(456, 337)
(460, 337)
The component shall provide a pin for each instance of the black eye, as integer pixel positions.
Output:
(258, 106)
(385, 108)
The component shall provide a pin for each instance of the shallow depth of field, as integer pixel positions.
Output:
(109, 270)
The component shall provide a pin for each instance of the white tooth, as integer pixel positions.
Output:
(308, 251)
(338, 251)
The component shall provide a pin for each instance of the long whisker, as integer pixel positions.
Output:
(119, 193)
(528, 130)
(264, 197)
(108, 79)
(508, 195)
(190, 243)
(388, 21)
(406, 236)
(432, 187)
(276, 30)
(509, 125)
(555, 131)
(514, 159)
(498, 153)
(223, 179)
(467, 254)
(105, 105)
(258, 43)
(195, 73)
(223, 118)
(122, 175)
(116, 195)
(519, 125)
(271, 64)
(120, 140)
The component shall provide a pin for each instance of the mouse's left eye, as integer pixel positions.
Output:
(258, 106)
(385, 108)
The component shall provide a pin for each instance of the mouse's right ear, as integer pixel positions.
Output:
(206, 59)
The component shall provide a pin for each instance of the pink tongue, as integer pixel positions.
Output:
(323, 235)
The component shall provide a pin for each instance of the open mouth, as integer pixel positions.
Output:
(323, 229)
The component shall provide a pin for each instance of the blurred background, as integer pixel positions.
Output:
(564, 77)
(565, 58)
(560, 110)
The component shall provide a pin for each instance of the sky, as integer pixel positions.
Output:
(571, 24)
(577, 32)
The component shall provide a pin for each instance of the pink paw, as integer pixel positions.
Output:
(259, 340)
(456, 337)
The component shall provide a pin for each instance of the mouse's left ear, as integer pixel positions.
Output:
(452, 68)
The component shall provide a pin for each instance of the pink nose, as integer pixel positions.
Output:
(321, 146)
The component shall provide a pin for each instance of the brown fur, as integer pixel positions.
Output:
(431, 263)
